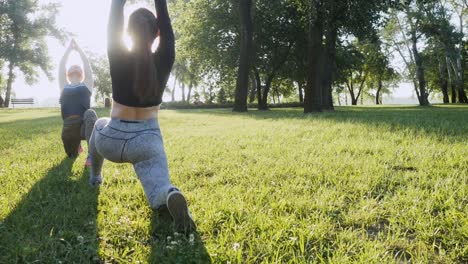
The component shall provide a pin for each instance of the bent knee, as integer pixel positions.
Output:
(90, 114)
(101, 123)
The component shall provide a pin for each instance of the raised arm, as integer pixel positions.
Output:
(115, 29)
(62, 75)
(88, 71)
(165, 53)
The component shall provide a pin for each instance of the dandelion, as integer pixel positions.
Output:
(236, 246)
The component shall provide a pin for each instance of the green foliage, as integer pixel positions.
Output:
(25, 24)
(102, 78)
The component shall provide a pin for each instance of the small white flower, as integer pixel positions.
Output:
(293, 238)
(176, 234)
(80, 239)
(174, 242)
(236, 246)
(169, 238)
(191, 238)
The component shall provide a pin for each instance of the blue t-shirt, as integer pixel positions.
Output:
(75, 100)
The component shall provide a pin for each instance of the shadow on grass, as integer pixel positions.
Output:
(170, 247)
(26, 129)
(441, 121)
(55, 221)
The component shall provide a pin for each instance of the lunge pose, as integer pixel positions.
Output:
(132, 134)
(76, 87)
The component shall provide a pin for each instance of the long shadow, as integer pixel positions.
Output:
(170, 247)
(440, 121)
(26, 129)
(54, 223)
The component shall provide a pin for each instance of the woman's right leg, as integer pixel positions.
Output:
(150, 163)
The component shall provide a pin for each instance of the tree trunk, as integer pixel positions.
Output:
(443, 81)
(423, 96)
(453, 85)
(253, 89)
(301, 92)
(190, 92)
(278, 96)
(183, 92)
(240, 103)
(454, 92)
(346, 98)
(354, 99)
(258, 80)
(173, 89)
(11, 78)
(460, 85)
(377, 95)
(263, 104)
(1, 101)
(313, 93)
(330, 54)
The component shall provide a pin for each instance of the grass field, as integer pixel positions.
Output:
(361, 185)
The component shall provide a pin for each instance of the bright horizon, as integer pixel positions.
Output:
(87, 21)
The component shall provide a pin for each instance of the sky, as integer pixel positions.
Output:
(87, 20)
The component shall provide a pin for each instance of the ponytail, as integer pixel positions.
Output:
(145, 82)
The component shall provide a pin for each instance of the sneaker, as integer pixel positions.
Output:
(95, 181)
(177, 206)
(88, 161)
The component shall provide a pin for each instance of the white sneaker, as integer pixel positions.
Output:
(177, 206)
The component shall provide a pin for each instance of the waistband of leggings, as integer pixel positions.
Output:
(133, 125)
(72, 120)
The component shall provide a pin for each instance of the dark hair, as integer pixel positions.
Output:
(143, 27)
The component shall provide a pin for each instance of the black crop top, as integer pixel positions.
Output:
(121, 60)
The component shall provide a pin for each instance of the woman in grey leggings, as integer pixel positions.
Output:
(132, 134)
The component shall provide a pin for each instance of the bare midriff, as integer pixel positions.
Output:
(133, 113)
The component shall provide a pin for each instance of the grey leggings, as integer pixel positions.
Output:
(139, 143)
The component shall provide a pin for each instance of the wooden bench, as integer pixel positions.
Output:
(26, 101)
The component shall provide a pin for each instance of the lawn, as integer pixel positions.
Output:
(360, 185)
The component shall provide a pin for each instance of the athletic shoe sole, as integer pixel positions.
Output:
(177, 206)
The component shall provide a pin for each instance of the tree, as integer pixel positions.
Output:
(446, 41)
(102, 78)
(274, 38)
(246, 39)
(405, 31)
(353, 70)
(380, 74)
(326, 20)
(25, 26)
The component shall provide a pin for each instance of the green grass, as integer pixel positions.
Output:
(361, 185)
